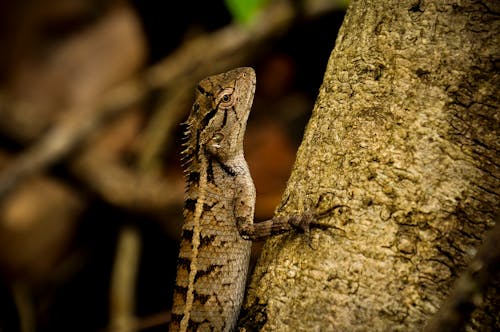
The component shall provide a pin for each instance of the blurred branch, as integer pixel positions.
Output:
(162, 124)
(227, 47)
(123, 283)
(125, 187)
(24, 305)
(68, 133)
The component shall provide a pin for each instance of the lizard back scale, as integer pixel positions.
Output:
(213, 258)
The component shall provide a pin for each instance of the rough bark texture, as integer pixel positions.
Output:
(401, 158)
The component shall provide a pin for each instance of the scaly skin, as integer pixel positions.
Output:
(213, 259)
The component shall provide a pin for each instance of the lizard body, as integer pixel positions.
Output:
(219, 207)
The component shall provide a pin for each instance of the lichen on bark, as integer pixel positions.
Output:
(400, 159)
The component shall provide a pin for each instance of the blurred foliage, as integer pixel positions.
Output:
(243, 11)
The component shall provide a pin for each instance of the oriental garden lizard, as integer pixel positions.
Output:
(219, 207)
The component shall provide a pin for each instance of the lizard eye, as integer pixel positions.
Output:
(225, 98)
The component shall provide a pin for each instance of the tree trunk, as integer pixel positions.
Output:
(400, 160)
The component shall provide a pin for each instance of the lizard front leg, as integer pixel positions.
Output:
(244, 214)
(274, 226)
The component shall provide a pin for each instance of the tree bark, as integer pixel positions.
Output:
(400, 160)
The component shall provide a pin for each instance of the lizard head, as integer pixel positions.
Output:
(219, 115)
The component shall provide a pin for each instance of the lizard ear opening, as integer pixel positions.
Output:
(214, 144)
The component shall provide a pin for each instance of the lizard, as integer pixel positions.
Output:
(218, 227)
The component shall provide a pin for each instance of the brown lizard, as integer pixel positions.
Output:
(219, 207)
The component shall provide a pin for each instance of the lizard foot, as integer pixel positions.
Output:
(303, 223)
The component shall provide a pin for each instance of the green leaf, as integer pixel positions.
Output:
(243, 11)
